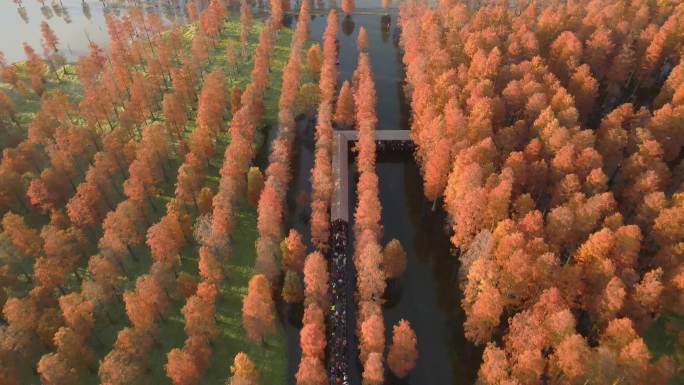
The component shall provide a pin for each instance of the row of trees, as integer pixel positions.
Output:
(258, 308)
(370, 279)
(374, 264)
(185, 366)
(312, 336)
(557, 175)
(271, 205)
(321, 174)
(148, 303)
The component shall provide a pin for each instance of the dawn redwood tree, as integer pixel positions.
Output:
(565, 54)
(122, 228)
(55, 370)
(362, 40)
(191, 10)
(235, 99)
(268, 223)
(293, 251)
(212, 17)
(128, 360)
(402, 354)
(199, 312)
(244, 371)
(258, 311)
(393, 259)
(314, 59)
(165, 238)
(255, 183)
(8, 108)
(373, 370)
(23, 238)
(293, 291)
(77, 312)
(437, 167)
(200, 350)
(74, 349)
(276, 19)
(344, 110)
(232, 62)
(186, 284)
(245, 21)
(88, 205)
(584, 87)
(316, 280)
(348, 6)
(176, 114)
(181, 367)
(21, 314)
(104, 273)
(312, 340)
(50, 190)
(147, 303)
(147, 171)
(321, 174)
(210, 109)
(35, 67)
(190, 178)
(311, 372)
(372, 336)
(312, 314)
(210, 267)
(48, 39)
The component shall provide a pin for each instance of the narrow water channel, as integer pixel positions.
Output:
(427, 295)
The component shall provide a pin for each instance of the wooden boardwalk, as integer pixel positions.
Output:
(339, 206)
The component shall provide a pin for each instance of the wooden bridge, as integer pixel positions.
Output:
(339, 206)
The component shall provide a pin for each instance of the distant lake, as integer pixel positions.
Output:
(74, 22)
(77, 21)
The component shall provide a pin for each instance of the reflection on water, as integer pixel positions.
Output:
(385, 27)
(75, 22)
(348, 25)
(85, 7)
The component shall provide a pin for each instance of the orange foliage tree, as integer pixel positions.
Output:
(258, 311)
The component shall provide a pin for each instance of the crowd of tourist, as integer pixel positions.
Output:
(337, 314)
(394, 146)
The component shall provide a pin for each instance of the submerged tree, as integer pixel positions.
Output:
(394, 259)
